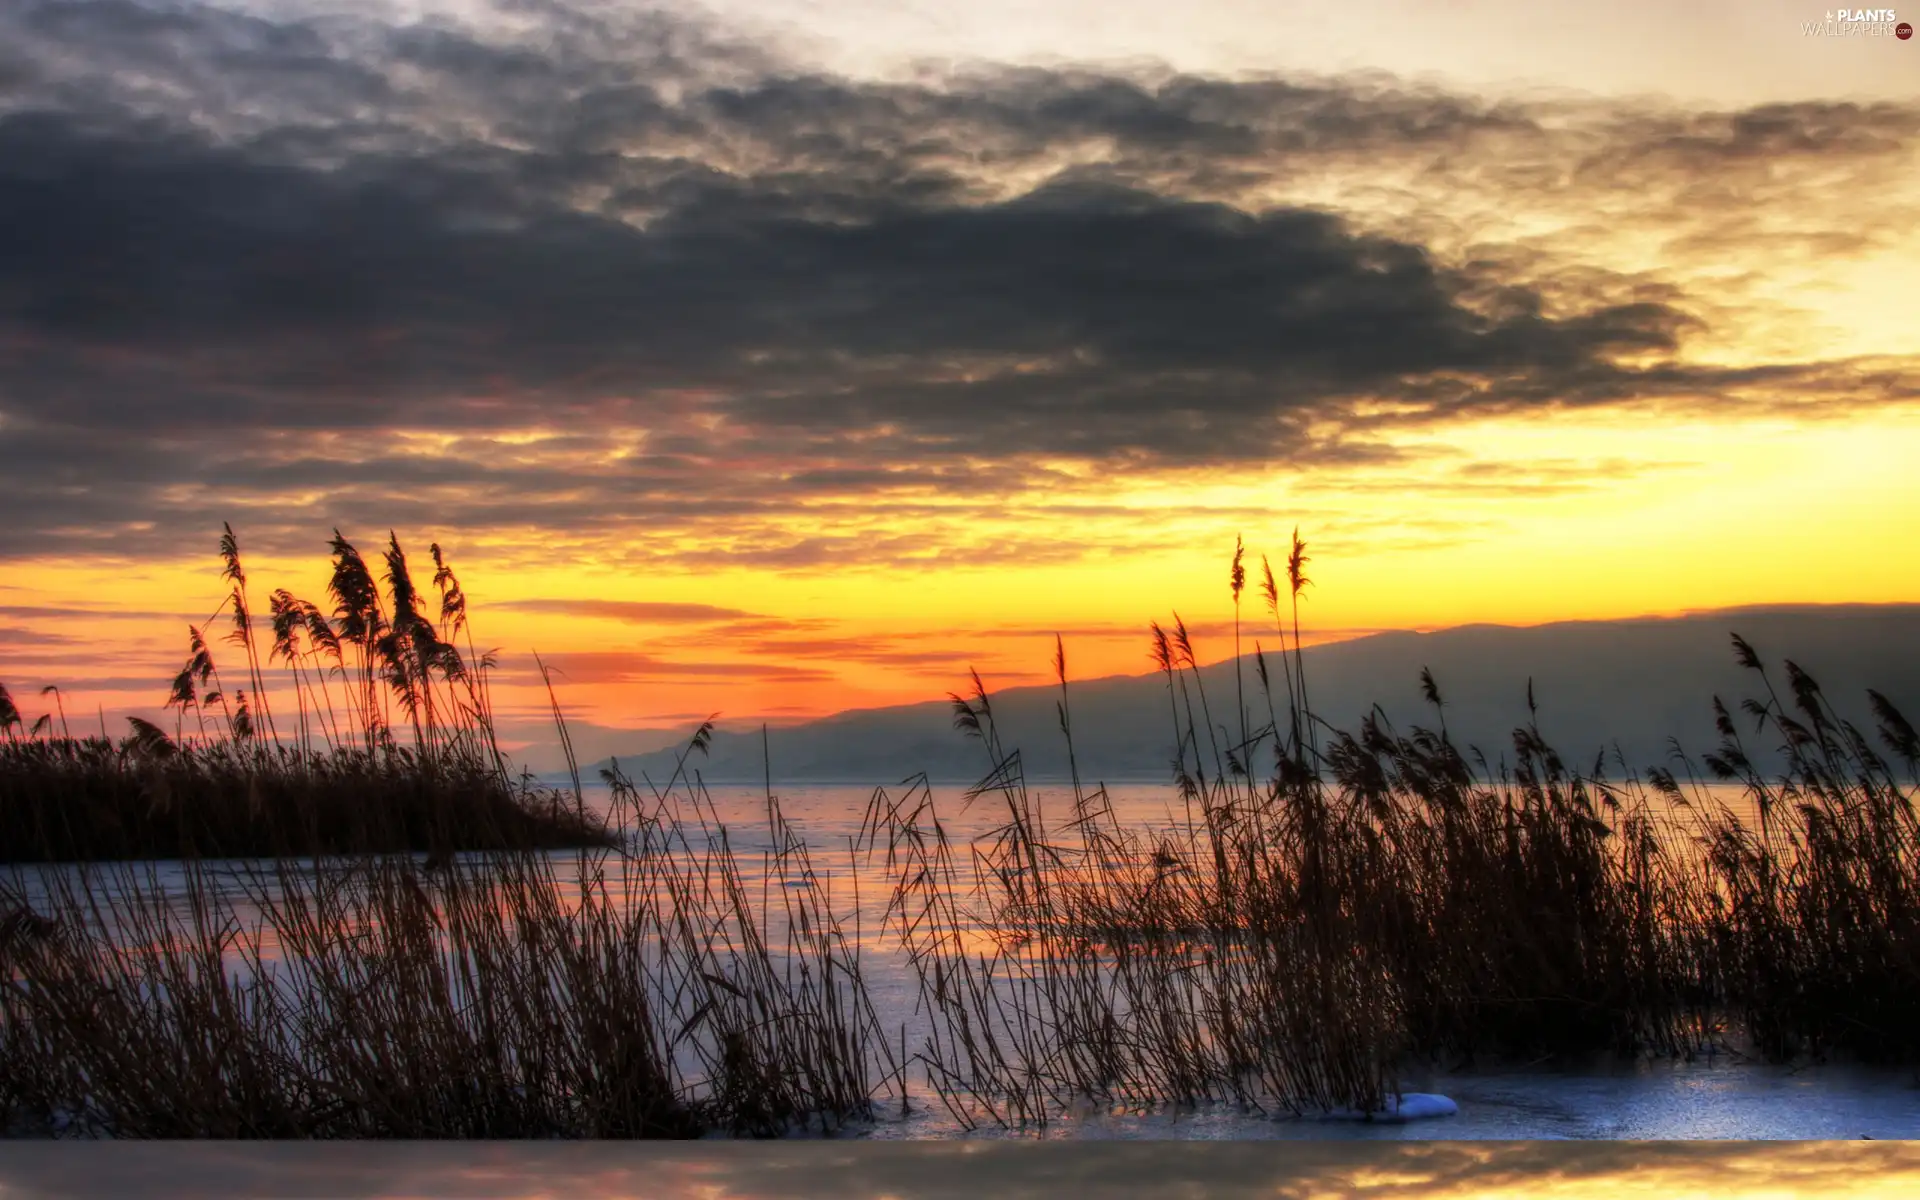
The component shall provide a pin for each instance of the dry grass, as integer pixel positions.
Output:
(235, 779)
(1327, 906)
(638, 991)
(1374, 897)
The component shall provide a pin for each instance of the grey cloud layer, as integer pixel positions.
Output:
(222, 238)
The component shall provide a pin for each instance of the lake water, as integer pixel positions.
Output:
(1722, 1098)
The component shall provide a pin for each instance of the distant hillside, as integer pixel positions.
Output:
(1636, 682)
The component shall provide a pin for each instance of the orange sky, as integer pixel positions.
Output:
(820, 371)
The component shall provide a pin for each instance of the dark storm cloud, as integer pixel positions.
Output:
(286, 295)
(236, 253)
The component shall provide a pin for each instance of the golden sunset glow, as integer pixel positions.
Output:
(776, 362)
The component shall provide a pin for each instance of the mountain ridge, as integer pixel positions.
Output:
(1633, 681)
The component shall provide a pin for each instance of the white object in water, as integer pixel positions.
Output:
(1408, 1106)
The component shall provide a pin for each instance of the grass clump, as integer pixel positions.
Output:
(628, 991)
(1330, 905)
(390, 744)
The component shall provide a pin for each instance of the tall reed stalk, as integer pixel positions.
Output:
(335, 779)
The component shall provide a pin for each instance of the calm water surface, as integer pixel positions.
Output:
(1725, 1098)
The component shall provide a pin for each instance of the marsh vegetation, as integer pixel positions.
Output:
(1326, 907)
(391, 743)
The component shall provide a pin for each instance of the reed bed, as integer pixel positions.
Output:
(66, 800)
(1326, 907)
(390, 744)
(1372, 898)
(634, 991)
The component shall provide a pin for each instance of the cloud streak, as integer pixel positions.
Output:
(634, 612)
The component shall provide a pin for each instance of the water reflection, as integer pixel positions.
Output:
(1712, 1100)
(962, 1170)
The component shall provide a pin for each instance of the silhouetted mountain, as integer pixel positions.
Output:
(1637, 683)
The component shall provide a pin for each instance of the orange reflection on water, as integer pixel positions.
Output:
(959, 1170)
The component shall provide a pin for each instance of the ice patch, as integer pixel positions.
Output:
(1408, 1106)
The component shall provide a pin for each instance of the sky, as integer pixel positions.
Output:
(775, 358)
